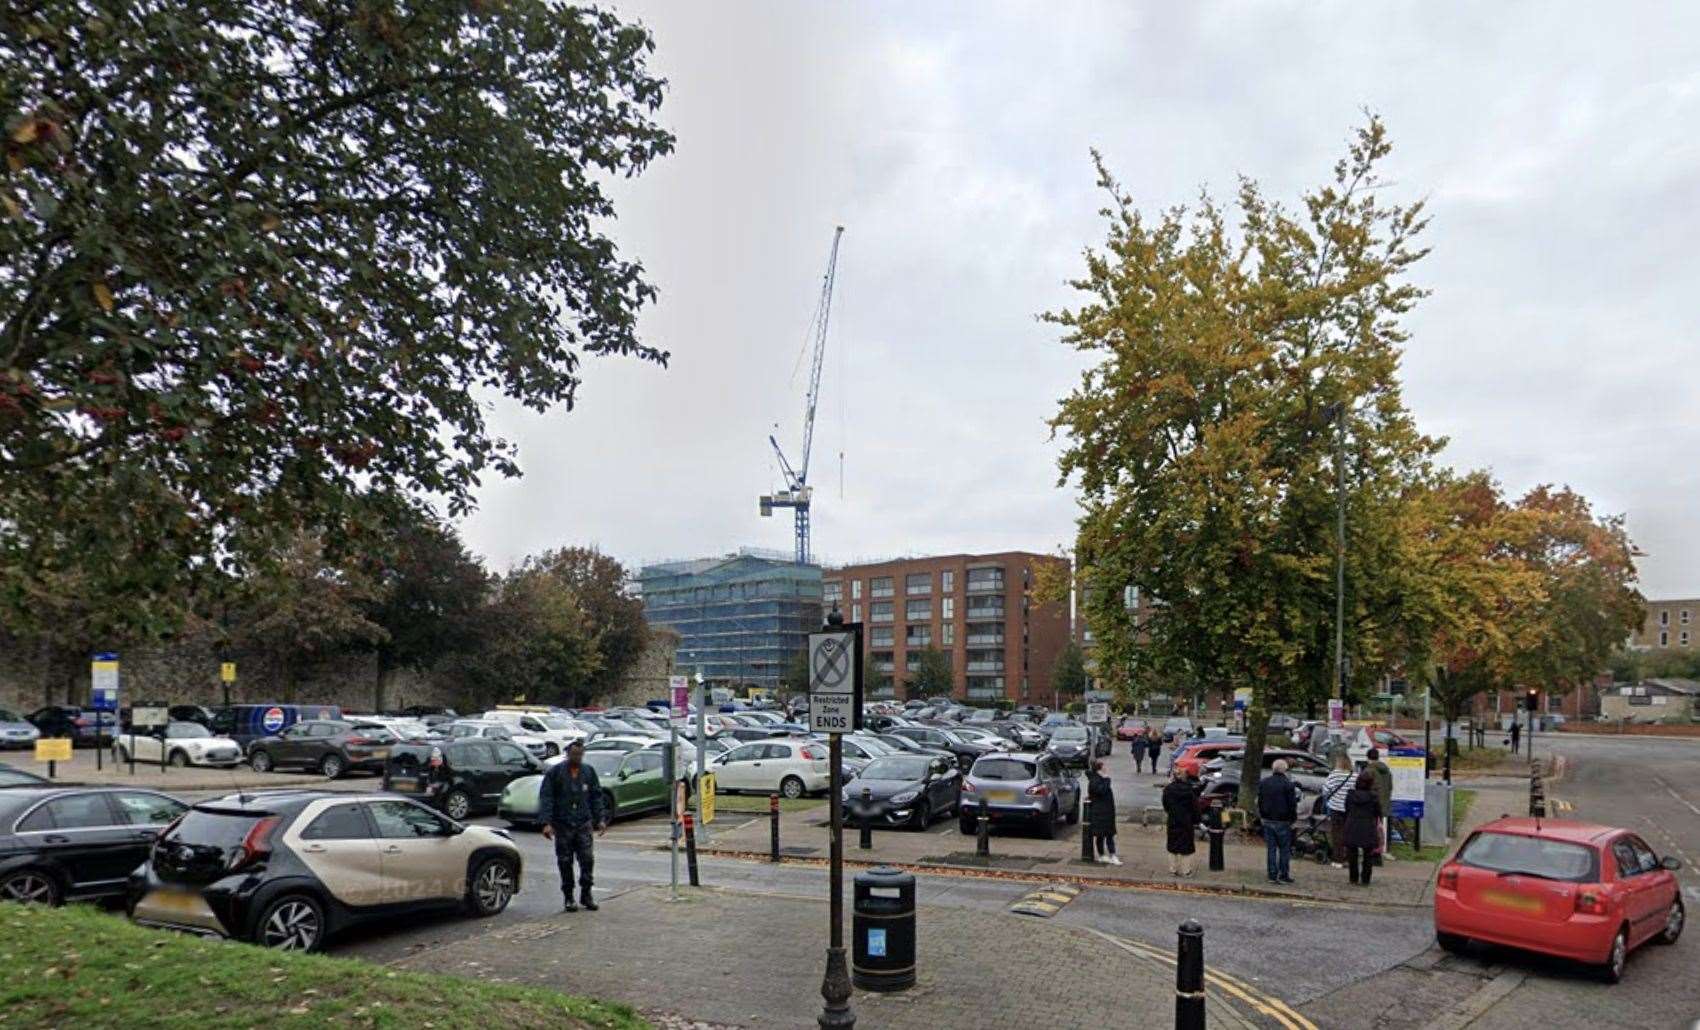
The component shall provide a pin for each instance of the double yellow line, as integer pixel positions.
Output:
(1264, 1004)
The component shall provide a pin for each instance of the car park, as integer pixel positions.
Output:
(459, 778)
(1024, 735)
(1177, 727)
(1190, 757)
(246, 723)
(1305, 770)
(62, 844)
(16, 731)
(290, 869)
(905, 790)
(179, 744)
(898, 743)
(632, 782)
(788, 766)
(556, 731)
(462, 729)
(1072, 744)
(331, 747)
(865, 748)
(1575, 890)
(1025, 788)
(942, 739)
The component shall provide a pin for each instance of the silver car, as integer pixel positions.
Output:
(1020, 787)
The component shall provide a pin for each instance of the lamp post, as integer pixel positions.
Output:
(836, 1013)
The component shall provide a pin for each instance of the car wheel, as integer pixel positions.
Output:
(30, 886)
(609, 808)
(1048, 824)
(551, 750)
(1617, 958)
(179, 758)
(260, 762)
(791, 787)
(923, 816)
(294, 922)
(457, 805)
(1451, 942)
(331, 766)
(492, 887)
(1673, 923)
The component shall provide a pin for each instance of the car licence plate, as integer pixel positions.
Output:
(404, 783)
(382, 752)
(1001, 796)
(1513, 902)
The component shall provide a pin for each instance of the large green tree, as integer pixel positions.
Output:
(1068, 674)
(615, 615)
(262, 261)
(1226, 362)
(929, 673)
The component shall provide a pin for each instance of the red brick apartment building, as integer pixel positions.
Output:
(980, 609)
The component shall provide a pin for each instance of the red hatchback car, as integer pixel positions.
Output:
(1575, 890)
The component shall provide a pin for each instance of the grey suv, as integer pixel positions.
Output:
(332, 748)
(1019, 787)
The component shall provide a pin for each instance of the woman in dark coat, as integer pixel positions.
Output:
(1138, 746)
(1156, 745)
(1101, 820)
(1180, 804)
(1363, 826)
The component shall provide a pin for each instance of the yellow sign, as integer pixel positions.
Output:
(53, 749)
(706, 797)
(227, 672)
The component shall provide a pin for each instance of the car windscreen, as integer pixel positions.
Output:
(606, 763)
(7, 715)
(897, 767)
(18, 778)
(555, 722)
(1069, 733)
(1533, 856)
(1002, 769)
(187, 731)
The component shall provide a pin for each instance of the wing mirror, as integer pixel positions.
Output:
(1672, 863)
(624, 773)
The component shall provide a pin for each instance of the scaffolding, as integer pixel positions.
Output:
(741, 619)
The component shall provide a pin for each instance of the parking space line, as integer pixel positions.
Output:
(1672, 792)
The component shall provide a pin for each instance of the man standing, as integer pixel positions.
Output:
(1516, 732)
(1383, 790)
(569, 805)
(1278, 808)
(1139, 745)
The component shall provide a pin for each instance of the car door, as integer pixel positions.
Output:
(944, 786)
(741, 767)
(645, 783)
(290, 747)
(419, 854)
(335, 840)
(510, 763)
(83, 836)
(1654, 888)
(1632, 888)
(147, 814)
(481, 771)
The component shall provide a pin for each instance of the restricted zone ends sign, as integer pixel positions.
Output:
(835, 680)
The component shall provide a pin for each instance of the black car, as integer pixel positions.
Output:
(328, 746)
(73, 722)
(10, 776)
(904, 790)
(942, 739)
(907, 746)
(458, 778)
(287, 869)
(62, 844)
(1073, 745)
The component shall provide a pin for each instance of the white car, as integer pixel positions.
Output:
(625, 745)
(556, 731)
(181, 743)
(462, 728)
(789, 766)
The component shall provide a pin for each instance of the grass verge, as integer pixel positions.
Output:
(81, 966)
(1485, 760)
(747, 803)
(1462, 802)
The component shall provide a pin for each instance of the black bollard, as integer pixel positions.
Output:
(1086, 854)
(773, 809)
(983, 847)
(1213, 827)
(691, 848)
(1189, 978)
(864, 819)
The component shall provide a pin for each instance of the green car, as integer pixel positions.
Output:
(631, 783)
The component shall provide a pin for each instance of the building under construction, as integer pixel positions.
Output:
(741, 618)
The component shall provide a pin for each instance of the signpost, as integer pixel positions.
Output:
(227, 676)
(1097, 711)
(103, 674)
(705, 780)
(1410, 773)
(678, 709)
(53, 750)
(835, 708)
(1336, 713)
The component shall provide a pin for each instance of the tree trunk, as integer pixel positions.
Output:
(386, 675)
(1256, 729)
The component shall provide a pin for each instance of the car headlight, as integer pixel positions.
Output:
(905, 797)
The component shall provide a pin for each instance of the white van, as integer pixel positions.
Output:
(558, 730)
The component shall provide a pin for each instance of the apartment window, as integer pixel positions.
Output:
(985, 580)
(947, 607)
(920, 583)
(879, 611)
(879, 587)
(1683, 617)
(947, 581)
(947, 634)
(919, 636)
(1682, 638)
(881, 636)
(1664, 617)
(832, 593)
(855, 613)
(918, 611)
(855, 590)
(1664, 638)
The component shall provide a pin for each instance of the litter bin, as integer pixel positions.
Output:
(883, 925)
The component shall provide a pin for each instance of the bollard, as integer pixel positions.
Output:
(983, 846)
(1214, 829)
(773, 808)
(865, 819)
(691, 849)
(1189, 978)
(1086, 854)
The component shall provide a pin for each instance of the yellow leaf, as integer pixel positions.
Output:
(103, 297)
(13, 163)
(270, 223)
(25, 132)
(12, 207)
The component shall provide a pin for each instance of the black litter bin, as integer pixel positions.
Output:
(883, 925)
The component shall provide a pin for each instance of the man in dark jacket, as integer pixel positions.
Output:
(1383, 792)
(1278, 808)
(570, 807)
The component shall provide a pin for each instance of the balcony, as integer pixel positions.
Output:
(986, 614)
(985, 639)
(879, 616)
(985, 586)
(985, 666)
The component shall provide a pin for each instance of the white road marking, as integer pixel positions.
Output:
(1672, 792)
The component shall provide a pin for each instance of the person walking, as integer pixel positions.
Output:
(1516, 732)
(1363, 822)
(1180, 806)
(1102, 819)
(1278, 808)
(1334, 790)
(1384, 789)
(570, 808)
(1139, 745)
(1155, 747)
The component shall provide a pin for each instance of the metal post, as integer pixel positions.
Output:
(865, 821)
(1086, 854)
(835, 984)
(983, 845)
(691, 849)
(673, 802)
(773, 813)
(1214, 829)
(702, 752)
(99, 725)
(1189, 978)
(1339, 551)
(52, 770)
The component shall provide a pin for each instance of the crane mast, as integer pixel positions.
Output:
(797, 493)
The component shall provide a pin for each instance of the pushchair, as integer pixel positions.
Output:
(1311, 840)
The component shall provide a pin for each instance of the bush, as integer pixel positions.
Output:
(1004, 704)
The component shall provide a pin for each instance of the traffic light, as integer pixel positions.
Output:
(1531, 700)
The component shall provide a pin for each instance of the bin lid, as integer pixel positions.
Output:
(885, 876)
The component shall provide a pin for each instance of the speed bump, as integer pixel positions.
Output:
(1045, 902)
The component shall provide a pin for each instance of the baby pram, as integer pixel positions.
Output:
(1311, 839)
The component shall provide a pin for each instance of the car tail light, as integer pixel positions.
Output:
(1591, 901)
(256, 843)
(361, 741)
(815, 754)
(80, 721)
(1449, 877)
(968, 787)
(1038, 790)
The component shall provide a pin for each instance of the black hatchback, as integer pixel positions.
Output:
(62, 844)
(458, 778)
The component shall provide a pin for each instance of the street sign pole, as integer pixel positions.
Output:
(835, 707)
(702, 753)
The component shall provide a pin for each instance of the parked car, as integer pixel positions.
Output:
(14, 777)
(942, 739)
(1177, 727)
(178, 743)
(905, 790)
(1020, 787)
(1576, 890)
(458, 778)
(632, 782)
(462, 729)
(911, 747)
(1025, 736)
(1127, 728)
(331, 747)
(789, 767)
(865, 747)
(16, 731)
(556, 731)
(247, 723)
(61, 844)
(73, 722)
(424, 711)
(1072, 744)
(1307, 771)
(290, 869)
(1192, 756)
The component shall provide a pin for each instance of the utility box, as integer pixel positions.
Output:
(1437, 812)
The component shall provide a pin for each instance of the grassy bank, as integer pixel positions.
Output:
(1462, 800)
(80, 966)
(758, 803)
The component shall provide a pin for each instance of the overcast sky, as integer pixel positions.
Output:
(1558, 146)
